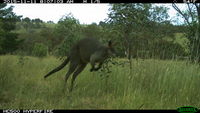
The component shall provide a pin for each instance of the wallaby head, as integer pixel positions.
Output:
(87, 50)
(100, 55)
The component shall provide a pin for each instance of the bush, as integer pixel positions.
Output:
(40, 50)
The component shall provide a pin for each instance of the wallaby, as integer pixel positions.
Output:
(84, 51)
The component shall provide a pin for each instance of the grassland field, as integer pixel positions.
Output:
(152, 84)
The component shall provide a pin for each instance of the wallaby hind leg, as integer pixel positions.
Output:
(75, 74)
(72, 67)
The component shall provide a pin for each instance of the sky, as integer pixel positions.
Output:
(85, 13)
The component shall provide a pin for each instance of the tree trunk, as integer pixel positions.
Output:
(129, 47)
(130, 57)
(197, 32)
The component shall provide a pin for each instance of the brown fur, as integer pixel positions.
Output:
(84, 51)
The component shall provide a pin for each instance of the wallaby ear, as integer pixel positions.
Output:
(110, 43)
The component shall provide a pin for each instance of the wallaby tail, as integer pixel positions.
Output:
(58, 68)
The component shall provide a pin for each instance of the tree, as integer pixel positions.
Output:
(128, 17)
(26, 22)
(8, 40)
(68, 31)
(37, 23)
(92, 30)
(40, 50)
(50, 22)
(133, 21)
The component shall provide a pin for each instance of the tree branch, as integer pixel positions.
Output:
(179, 11)
(198, 11)
(190, 11)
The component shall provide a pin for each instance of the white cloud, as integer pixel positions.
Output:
(173, 13)
(85, 13)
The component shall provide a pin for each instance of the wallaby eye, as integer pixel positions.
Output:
(110, 43)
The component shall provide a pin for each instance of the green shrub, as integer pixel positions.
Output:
(40, 50)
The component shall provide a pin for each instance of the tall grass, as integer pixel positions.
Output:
(154, 84)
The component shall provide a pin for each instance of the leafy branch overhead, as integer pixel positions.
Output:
(192, 18)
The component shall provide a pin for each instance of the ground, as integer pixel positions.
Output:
(151, 84)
